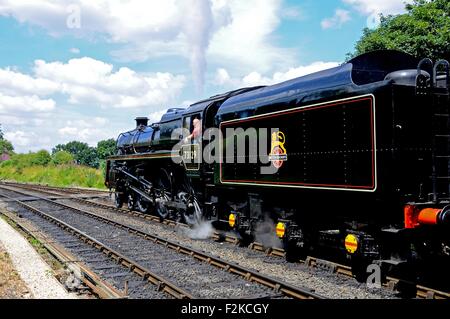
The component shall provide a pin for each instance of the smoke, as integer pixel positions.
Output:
(198, 27)
(201, 19)
(265, 234)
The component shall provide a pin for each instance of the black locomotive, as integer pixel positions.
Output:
(355, 159)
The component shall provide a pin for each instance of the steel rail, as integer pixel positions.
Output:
(248, 274)
(74, 190)
(99, 287)
(313, 262)
(160, 282)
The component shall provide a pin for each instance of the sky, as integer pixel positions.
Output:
(84, 69)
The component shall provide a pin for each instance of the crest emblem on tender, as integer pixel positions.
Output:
(278, 154)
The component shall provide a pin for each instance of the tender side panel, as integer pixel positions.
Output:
(327, 146)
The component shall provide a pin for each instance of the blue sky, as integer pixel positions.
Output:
(84, 70)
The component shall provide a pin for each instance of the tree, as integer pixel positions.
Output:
(89, 157)
(82, 153)
(106, 148)
(73, 148)
(423, 31)
(5, 145)
(41, 158)
(62, 157)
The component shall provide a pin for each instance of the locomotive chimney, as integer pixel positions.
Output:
(141, 121)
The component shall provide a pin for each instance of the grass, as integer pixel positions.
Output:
(69, 175)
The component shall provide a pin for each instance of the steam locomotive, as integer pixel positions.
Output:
(354, 159)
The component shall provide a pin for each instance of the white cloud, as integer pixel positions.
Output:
(223, 78)
(293, 73)
(74, 50)
(19, 138)
(33, 107)
(86, 80)
(87, 131)
(246, 43)
(25, 104)
(156, 116)
(340, 18)
(12, 82)
(81, 134)
(194, 29)
(132, 22)
(68, 131)
(369, 7)
(33, 132)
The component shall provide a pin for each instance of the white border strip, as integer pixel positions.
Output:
(310, 187)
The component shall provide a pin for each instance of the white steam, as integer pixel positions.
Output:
(265, 234)
(200, 231)
(198, 29)
(201, 19)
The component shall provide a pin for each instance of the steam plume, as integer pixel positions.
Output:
(198, 27)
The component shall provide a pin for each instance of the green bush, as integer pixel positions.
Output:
(40, 158)
(62, 157)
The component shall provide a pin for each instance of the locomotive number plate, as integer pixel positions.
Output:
(190, 154)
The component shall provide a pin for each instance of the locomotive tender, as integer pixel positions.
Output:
(359, 161)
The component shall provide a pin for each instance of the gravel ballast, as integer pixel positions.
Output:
(324, 283)
(35, 273)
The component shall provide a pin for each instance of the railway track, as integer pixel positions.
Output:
(79, 270)
(192, 274)
(111, 267)
(70, 190)
(392, 283)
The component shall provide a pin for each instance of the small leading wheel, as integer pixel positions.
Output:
(118, 200)
(131, 202)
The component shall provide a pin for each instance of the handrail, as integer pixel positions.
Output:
(446, 70)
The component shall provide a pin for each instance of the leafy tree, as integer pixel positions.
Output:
(423, 31)
(62, 157)
(5, 145)
(73, 148)
(82, 153)
(40, 158)
(89, 157)
(106, 148)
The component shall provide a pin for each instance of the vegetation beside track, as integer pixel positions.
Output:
(59, 169)
(67, 175)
